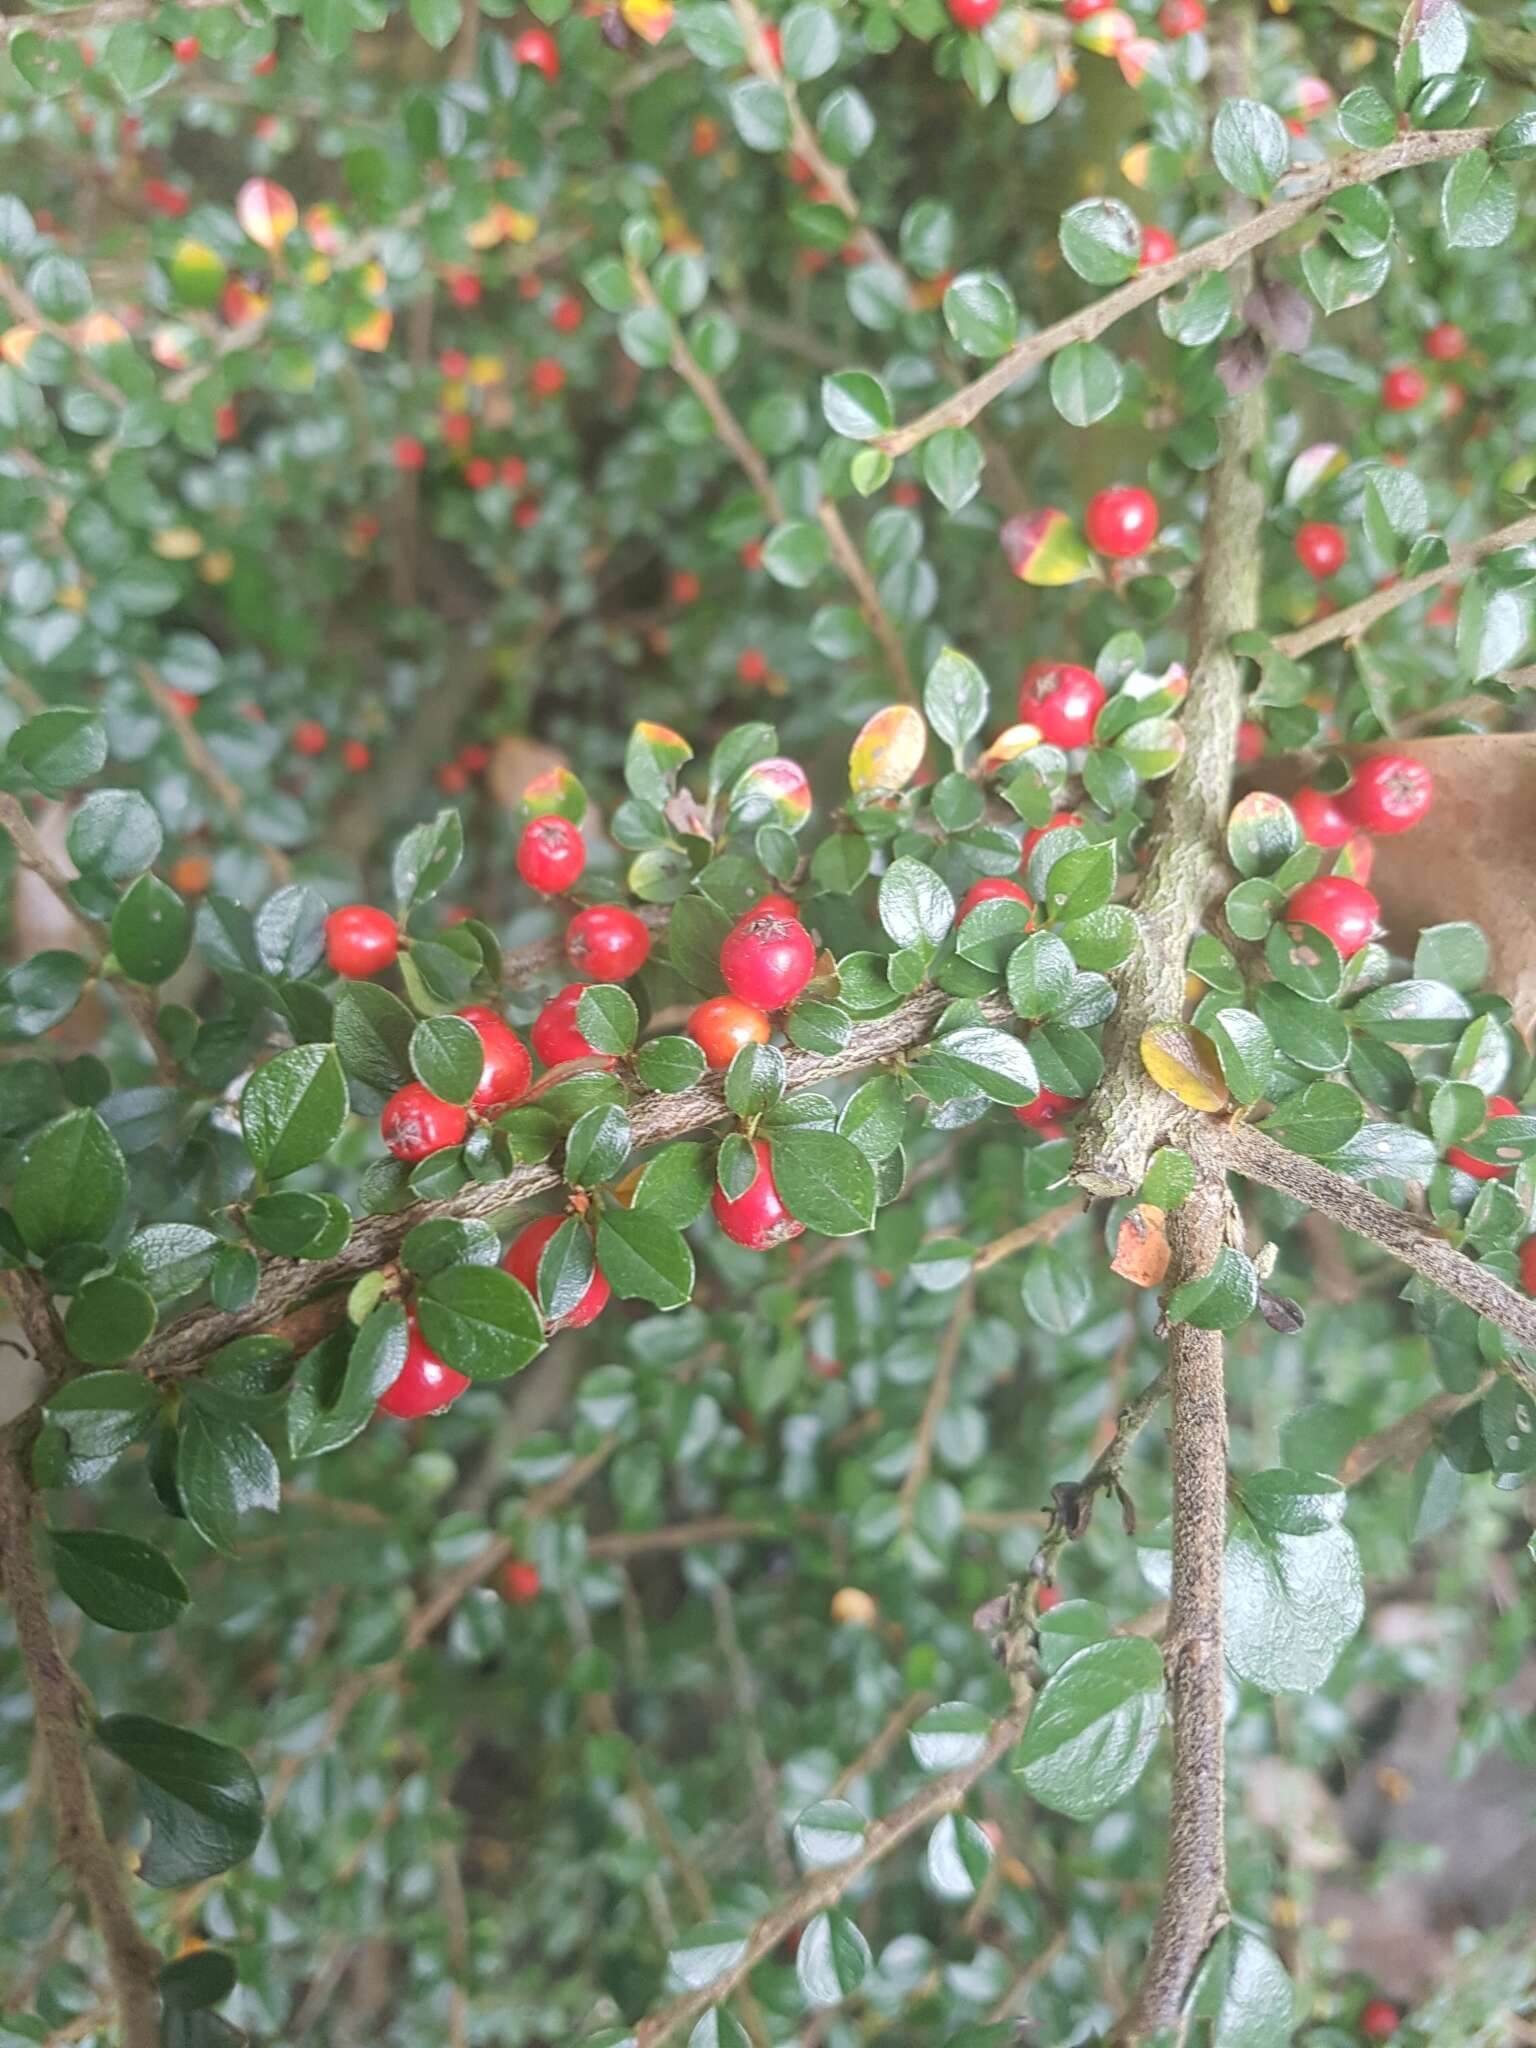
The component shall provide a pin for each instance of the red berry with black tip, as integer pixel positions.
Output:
(424, 1385)
(1390, 793)
(1340, 909)
(1404, 387)
(988, 890)
(551, 855)
(360, 941)
(758, 1218)
(607, 942)
(521, 1260)
(1047, 1107)
(1321, 549)
(1063, 699)
(507, 1068)
(416, 1123)
(774, 904)
(1323, 820)
(555, 1036)
(1484, 1169)
(1122, 521)
(722, 1025)
(767, 959)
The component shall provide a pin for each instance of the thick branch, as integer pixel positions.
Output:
(1123, 1123)
(1221, 252)
(1357, 619)
(35, 857)
(1239, 1148)
(132, 1963)
(287, 1284)
(1194, 1885)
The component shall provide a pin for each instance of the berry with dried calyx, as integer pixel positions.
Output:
(1390, 793)
(416, 1123)
(767, 959)
(1047, 1108)
(607, 942)
(551, 855)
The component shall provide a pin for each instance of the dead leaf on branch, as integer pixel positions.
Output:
(1141, 1249)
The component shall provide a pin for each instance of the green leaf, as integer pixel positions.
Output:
(39, 993)
(978, 1059)
(296, 1225)
(644, 1256)
(103, 1413)
(825, 1180)
(137, 62)
(811, 41)
(1093, 1727)
(1250, 145)
(1453, 953)
(202, 1798)
(980, 313)
(293, 1109)
(1492, 626)
(1101, 240)
(1086, 383)
(670, 1064)
(952, 466)
(337, 1385)
(856, 405)
(1246, 1052)
(955, 698)
(481, 1321)
(915, 906)
(71, 1184)
(832, 1960)
(1477, 203)
(1243, 1991)
(829, 1833)
(224, 1469)
(1292, 1604)
(438, 20)
(373, 1035)
(607, 1018)
(447, 1057)
(115, 834)
(120, 1581)
(1366, 118)
(1041, 973)
(760, 114)
(169, 1259)
(290, 931)
(1221, 1299)
(110, 1319)
(426, 860)
(597, 1145)
(151, 931)
(59, 749)
(796, 552)
(949, 1736)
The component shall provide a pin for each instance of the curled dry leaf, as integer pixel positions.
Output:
(1183, 1063)
(1141, 1249)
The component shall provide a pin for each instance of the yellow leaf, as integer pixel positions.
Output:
(649, 19)
(267, 212)
(1183, 1063)
(888, 751)
(177, 544)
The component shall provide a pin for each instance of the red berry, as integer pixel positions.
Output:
(1047, 1598)
(722, 1025)
(1036, 833)
(757, 1219)
(356, 756)
(566, 315)
(309, 737)
(1250, 742)
(1181, 17)
(1321, 549)
(360, 941)
(512, 471)
(772, 905)
(1157, 246)
(508, 1068)
(1379, 2021)
(972, 14)
(536, 46)
(1483, 1169)
(988, 890)
(479, 472)
(607, 942)
(752, 665)
(424, 1385)
(554, 1033)
(458, 429)
(1446, 343)
(521, 1260)
(551, 855)
(1047, 1107)
(685, 587)
(1084, 10)
(547, 377)
(1121, 521)
(265, 65)
(518, 1582)
(1528, 1265)
(409, 452)
(1390, 793)
(767, 959)
(773, 43)
(416, 1123)
(186, 49)
(451, 779)
(1322, 818)
(1404, 388)
(1340, 909)
(1063, 700)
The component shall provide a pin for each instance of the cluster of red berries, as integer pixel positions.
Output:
(1390, 793)
(454, 777)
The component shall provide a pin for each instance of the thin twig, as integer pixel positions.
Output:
(933, 1407)
(1221, 252)
(1357, 619)
(1039, 1230)
(748, 1712)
